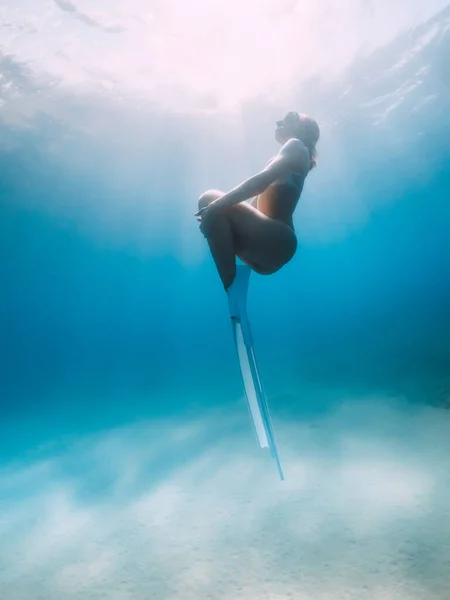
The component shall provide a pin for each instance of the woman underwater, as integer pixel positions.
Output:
(261, 233)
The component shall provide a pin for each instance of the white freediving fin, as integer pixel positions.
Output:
(257, 402)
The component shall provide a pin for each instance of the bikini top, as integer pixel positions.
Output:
(295, 179)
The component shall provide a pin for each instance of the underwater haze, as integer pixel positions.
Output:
(128, 465)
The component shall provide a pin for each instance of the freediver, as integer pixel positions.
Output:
(261, 233)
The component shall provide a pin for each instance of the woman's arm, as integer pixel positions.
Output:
(293, 157)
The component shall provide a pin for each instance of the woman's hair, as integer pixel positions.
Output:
(309, 133)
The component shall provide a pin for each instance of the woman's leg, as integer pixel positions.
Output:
(242, 230)
(221, 242)
(207, 197)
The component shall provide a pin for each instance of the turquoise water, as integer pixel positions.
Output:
(129, 468)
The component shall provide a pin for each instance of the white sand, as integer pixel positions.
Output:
(364, 512)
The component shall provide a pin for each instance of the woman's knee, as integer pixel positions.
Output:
(208, 197)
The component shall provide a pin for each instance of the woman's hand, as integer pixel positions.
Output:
(206, 217)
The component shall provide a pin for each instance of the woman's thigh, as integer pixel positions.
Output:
(265, 244)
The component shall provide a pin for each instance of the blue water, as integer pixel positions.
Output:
(128, 464)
